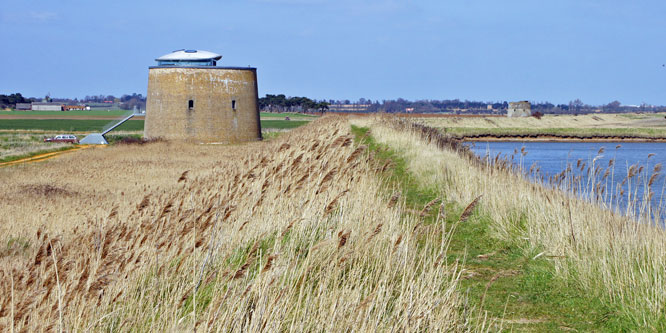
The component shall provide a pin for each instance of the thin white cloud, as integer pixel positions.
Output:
(43, 16)
(377, 6)
(293, 2)
(19, 17)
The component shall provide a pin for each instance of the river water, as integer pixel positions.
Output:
(597, 171)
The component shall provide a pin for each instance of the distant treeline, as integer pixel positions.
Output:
(9, 101)
(281, 103)
(126, 102)
(475, 107)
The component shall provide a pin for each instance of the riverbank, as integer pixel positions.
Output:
(558, 138)
(628, 127)
(534, 258)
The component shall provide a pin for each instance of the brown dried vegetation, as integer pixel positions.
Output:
(291, 234)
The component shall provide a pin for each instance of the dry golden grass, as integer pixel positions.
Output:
(294, 234)
(609, 256)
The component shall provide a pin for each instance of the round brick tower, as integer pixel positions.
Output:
(190, 98)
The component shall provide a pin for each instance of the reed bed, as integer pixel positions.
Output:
(606, 254)
(626, 190)
(294, 234)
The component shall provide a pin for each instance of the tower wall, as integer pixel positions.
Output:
(519, 109)
(214, 92)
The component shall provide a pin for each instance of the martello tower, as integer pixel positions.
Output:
(190, 98)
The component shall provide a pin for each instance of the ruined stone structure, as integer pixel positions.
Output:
(519, 109)
(191, 99)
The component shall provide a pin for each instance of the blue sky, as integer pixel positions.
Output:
(487, 50)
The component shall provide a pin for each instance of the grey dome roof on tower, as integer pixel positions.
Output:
(189, 58)
(189, 55)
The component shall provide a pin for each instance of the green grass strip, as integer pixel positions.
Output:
(282, 124)
(39, 152)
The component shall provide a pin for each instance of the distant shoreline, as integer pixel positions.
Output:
(559, 138)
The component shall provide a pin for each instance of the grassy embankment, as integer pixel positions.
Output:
(499, 279)
(534, 258)
(648, 126)
(537, 258)
(272, 236)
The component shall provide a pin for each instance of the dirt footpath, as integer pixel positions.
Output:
(46, 156)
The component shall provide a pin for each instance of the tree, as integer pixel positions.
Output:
(281, 103)
(576, 104)
(11, 100)
(614, 105)
(322, 106)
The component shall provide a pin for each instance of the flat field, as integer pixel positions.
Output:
(92, 113)
(119, 113)
(91, 125)
(67, 125)
(21, 132)
(648, 125)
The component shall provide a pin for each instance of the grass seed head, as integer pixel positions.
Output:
(467, 212)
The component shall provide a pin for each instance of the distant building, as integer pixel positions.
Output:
(43, 106)
(73, 107)
(519, 109)
(101, 106)
(23, 106)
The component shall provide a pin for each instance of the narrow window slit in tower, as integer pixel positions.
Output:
(233, 104)
(190, 104)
